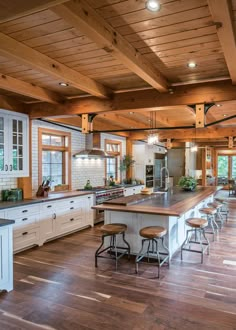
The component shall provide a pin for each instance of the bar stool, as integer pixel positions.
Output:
(210, 212)
(198, 226)
(112, 230)
(153, 235)
(218, 206)
(224, 209)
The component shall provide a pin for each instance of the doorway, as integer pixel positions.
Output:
(226, 168)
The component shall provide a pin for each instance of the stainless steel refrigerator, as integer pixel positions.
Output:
(159, 176)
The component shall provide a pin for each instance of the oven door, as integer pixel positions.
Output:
(99, 216)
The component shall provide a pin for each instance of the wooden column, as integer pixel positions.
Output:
(129, 151)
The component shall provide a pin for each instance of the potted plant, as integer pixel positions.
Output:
(187, 183)
(126, 162)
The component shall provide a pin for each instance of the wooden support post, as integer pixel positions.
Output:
(230, 142)
(87, 126)
(200, 115)
(129, 151)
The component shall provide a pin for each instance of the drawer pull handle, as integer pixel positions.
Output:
(89, 197)
(72, 208)
(72, 201)
(25, 233)
(49, 206)
(6, 167)
(72, 219)
(54, 215)
(24, 211)
(24, 219)
(10, 167)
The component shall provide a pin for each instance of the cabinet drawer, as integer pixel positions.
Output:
(68, 223)
(21, 212)
(25, 238)
(25, 221)
(48, 207)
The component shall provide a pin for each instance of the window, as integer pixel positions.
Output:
(54, 157)
(113, 148)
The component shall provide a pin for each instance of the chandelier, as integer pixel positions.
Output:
(152, 135)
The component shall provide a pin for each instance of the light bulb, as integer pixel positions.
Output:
(153, 5)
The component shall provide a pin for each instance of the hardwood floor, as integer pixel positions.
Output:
(57, 287)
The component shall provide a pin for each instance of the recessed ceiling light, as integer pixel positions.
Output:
(191, 65)
(131, 113)
(224, 115)
(153, 5)
(219, 105)
(63, 84)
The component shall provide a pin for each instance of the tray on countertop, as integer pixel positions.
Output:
(133, 199)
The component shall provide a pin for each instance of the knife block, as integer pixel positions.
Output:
(42, 191)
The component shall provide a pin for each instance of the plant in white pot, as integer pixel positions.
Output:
(187, 183)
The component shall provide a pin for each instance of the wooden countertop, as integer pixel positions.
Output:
(51, 197)
(175, 202)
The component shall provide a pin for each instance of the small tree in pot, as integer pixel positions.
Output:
(126, 162)
(187, 183)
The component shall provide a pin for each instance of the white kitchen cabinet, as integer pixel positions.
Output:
(14, 144)
(40, 222)
(128, 191)
(6, 258)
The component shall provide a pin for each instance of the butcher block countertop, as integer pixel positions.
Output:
(51, 197)
(175, 202)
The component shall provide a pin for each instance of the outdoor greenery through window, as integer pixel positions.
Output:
(226, 168)
(54, 161)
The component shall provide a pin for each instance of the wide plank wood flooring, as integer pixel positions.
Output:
(57, 287)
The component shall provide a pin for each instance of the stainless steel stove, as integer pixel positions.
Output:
(104, 194)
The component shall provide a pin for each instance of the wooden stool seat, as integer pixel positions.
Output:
(215, 205)
(196, 222)
(152, 232)
(208, 210)
(113, 228)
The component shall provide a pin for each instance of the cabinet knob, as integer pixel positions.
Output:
(71, 201)
(24, 211)
(25, 233)
(72, 208)
(72, 219)
(24, 219)
(49, 206)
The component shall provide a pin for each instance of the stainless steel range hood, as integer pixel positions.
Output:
(90, 150)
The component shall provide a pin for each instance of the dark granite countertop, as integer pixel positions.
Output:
(51, 197)
(4, 222)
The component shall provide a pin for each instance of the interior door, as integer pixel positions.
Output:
(226, 168)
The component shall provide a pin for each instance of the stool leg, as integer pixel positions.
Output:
(139, 256)
(97, 252)
(123, 236)
(115, 249)
(185, 242)
(208, 243)
(200, 242)
(166, 248)
(158, 258)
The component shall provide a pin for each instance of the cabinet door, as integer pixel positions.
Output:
(4, 257)
(18, 146)
(4, 149)
(47, 225)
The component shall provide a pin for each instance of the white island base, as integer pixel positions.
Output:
(176, 227)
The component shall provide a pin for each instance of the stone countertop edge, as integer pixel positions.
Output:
(51, 197)
(4, 222)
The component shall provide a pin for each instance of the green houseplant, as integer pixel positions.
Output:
(187, 183)
(126, 162)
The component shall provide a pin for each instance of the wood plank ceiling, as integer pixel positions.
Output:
(114, 55)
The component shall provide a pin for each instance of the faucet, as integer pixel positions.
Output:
(167, 175)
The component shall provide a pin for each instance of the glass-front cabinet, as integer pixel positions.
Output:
(14, 145)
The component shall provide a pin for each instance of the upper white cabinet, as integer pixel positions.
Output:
(14, 144)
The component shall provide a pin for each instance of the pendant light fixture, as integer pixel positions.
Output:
(194, 148)
(152, 135)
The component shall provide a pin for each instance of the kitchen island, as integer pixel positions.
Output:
(169, 210)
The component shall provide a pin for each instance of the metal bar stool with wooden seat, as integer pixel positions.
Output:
(209, 213)
(112, 230)
(218, 206)
(153, 235)
(224, 209)
(198, 226)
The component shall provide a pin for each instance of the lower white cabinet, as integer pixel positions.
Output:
(6, 258)
(38, 223)
(128, 191)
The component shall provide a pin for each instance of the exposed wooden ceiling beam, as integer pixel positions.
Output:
(148, 100)
(34, 59)
(80, 15)
(15, 9)
(122, 121)
(27, 89)
(207, 132)
(221, 12)
(8, 103)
